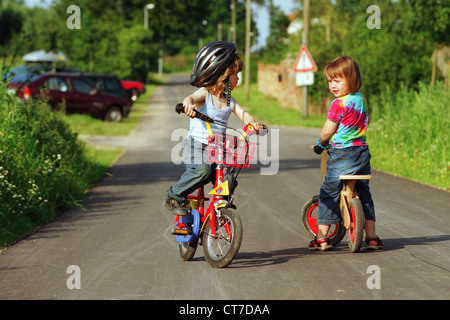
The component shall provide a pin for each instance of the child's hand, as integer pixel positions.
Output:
(190, 110)
(257, 125)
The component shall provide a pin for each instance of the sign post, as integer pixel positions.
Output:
(304, 69)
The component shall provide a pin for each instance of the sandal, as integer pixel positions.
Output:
(316, 244)
(378, 246)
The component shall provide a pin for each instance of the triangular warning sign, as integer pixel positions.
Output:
(304, 61)
(221, 190)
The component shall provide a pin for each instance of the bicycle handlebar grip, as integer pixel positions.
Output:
(179, 108)
(317, 149)
(264, 130)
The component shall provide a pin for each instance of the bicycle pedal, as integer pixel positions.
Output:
(181, 232)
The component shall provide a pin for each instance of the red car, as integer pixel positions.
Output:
(137, 88)
(75, 92)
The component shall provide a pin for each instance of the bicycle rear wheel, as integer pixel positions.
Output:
(356, 229)
(310, 212)
(220, 250)
(187, 250)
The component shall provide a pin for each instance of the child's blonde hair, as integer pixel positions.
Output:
(344, 67)
(219, 87)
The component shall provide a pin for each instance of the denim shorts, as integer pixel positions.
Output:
(351, 160)
(199, 171)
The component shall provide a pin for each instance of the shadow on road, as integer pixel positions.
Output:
(261, 259)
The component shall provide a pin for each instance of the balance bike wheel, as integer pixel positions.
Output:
(310, 213)
(356, 229)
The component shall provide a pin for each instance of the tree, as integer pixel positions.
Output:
(430, 21)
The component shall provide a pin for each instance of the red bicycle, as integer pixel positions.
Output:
(217, 227)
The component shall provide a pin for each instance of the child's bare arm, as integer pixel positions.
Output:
(194, 101)
(245, 116)
(329, 128)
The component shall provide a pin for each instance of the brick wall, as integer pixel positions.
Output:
(278, 82)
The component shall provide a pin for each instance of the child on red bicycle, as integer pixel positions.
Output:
(215, 69)
(346, 126)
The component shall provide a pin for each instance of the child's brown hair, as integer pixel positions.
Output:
(236, 67)
(344, 67)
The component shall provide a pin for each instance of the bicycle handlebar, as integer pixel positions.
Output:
(317, 149)
(179, 108)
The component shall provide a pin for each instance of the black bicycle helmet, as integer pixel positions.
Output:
(211, 62)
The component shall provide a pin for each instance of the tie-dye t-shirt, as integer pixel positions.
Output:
(350, 112)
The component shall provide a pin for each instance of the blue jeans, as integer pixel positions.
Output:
(198, 171)
(352, 160)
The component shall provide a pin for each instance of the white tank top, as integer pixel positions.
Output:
(197, 127)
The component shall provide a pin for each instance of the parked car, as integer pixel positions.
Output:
(28, 73)
(137, 88)
(110, 84)
(74, 92)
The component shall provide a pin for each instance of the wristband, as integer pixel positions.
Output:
(320, 145)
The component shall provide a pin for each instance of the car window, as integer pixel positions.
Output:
(81, 86)
(95, 81)
(58, 84)
(26, 77)
(112, 84)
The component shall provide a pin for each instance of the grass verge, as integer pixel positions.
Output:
(270, 110)
(44, 168)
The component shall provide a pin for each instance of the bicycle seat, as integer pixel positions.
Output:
(355, 177)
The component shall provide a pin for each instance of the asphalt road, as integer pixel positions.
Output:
(122, 248)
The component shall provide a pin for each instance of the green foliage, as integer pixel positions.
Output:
(112, 38)
(409, 133)
(43, 167)
(398, 52)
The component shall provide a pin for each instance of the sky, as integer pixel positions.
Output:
(260, 14)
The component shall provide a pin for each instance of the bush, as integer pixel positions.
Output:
(409, 133)
(43, 167)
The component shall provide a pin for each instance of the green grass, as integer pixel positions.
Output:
(44, 168)
(408, 135)
(87, 125)
(271, 112)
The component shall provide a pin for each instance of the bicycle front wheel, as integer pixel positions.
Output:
(220, 250)
(356, 229)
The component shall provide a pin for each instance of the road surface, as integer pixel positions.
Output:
(119, 246)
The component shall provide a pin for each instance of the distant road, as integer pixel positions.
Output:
(122, 245)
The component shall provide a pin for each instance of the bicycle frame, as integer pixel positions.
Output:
(197, 203)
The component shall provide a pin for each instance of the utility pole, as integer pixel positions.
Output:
(306, 19)
(233, 20)
(247, 49)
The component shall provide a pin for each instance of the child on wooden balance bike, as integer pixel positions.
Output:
(346, 126)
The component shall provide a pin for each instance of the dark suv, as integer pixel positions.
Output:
(109, 84)
(75, 93)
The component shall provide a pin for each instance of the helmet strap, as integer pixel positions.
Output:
(229, 93)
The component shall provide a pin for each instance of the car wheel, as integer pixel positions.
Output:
(113, 114)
